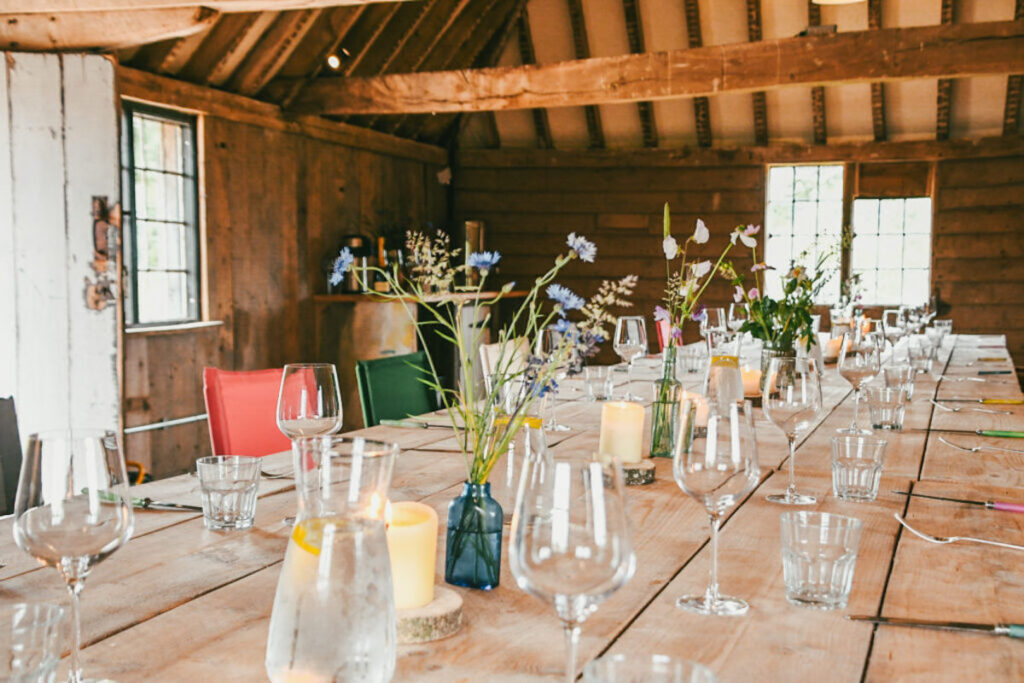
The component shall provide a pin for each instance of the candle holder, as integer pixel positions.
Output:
(439, 618)
(638, 473)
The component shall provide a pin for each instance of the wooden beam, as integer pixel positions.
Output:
(758, 99)
(541, 126)
(701, 106)
(276, 47)
(147, 87)
(1014, 85)
(581, 47)
(944, 98)
(853, 57)
(635, 34)
(346, 19)
(100, 30)
(239, 46)
(820, 125)
(226, 6)
(924, 150)
(180, 52)
(877, 89)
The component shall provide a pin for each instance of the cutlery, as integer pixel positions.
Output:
(150, 504)
(975, 449)
(995, 372)
(276, 475)
(987, 401)
(950, 378)
(1000, 433)
(943, 540)
(995, 359)
(975, 410)
(987, 504)
(1011, 630)
(413, 424)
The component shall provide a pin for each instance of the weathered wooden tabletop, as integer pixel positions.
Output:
(180, 603)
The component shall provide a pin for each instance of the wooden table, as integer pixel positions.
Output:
(179, 603)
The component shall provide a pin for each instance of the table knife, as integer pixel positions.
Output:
(999, 433)
(995, 372)
(413, 424)
(150, 504)
(1002, 506)
(1011, 630)
(988, 401)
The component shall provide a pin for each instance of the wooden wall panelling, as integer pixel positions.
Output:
(896, 179)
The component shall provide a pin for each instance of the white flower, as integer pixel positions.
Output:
(745, 235)
(701, 234)
(670, 247)
(700, 269)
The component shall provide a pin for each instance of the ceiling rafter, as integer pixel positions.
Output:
(820, 123)
(1014, 85)
(281, 39)
(635, 34)
(180, 52)
(221, 39)
(541, 125)
(581, 48)
(237, 49)
(758, 99)
(878, 124)
(225, 6)
(701, 105)
(340, 21)
(944, 97)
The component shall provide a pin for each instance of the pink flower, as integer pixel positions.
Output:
(753, 293)
(738, 295)
(661, 313)
(760, 266)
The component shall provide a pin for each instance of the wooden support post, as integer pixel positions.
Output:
(944, 103)
(1014, 85)
(877, 88)
(541, 126)
(820, 124)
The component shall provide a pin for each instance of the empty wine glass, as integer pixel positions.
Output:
(571, 544)
(738, 314)
(716, 467)
(860, 359)
(630, 343)
(72, 510)
(715, 320)
(791, 400)
(309, 402)
(551, 350)
(893, 328)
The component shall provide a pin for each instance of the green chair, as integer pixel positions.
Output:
(390, 388)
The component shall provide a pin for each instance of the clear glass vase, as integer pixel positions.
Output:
(767, 354)
(665, 408)
(473, 550)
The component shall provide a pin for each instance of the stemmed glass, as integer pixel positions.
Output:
(738, 314)
(716, 467)
(715, 320)
(860, 359)
(550, 344)
(791, 400)
(630, 342)
(309, 402)
(72, 510)
(571, 544)
(892, 326)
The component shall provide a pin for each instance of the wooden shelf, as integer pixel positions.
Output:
(370, 298)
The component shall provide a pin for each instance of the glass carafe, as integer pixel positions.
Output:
(334, 615)
(723, 383)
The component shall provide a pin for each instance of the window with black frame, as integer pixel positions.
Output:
(160, 190)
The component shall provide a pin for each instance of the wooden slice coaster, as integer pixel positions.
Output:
(439, 619)
(639, 473)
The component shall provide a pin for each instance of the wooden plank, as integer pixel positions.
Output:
(982, 172)
(581, 48)
(701, 106)
(104, 30)
(884, 54)
(819, 125)
(944, 98)
(152, 88)
(758, 99)
(180, 52)
(241, 42)
(58, 6)
(281, 39)
(878, 123)
(896, 179)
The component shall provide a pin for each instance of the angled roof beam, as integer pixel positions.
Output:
(944, 99)
(886, 54)
(635, 34)
(581, 46)
(226, 6)
(701, 106)
(877, 88)
(541, 126)
(274, 49)
(1014, 85)
(758, 99)
(820, 127)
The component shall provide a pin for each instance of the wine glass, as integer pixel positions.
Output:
(716, 467)
(309, 402)
(892, 326)
(571, 543)
(550, 348)
(791, 400)
(72, 510)
(630, 343)
(738, 314)
(860, 359)
(714, 320)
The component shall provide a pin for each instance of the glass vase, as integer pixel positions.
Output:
(473, 550)
(665, 407)
(767, 353)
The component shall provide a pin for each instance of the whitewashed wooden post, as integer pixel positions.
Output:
(58, 149)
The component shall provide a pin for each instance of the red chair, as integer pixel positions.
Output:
(664, 330)
(241, 408)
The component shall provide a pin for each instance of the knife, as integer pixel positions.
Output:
(988, 504)
(1011, 630)
(1000, 433)
(413, 424)
(995, 372)
(150, 504)
(988, 401)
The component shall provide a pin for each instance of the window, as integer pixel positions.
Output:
(804, 214)
(160, 190)
(891, 250)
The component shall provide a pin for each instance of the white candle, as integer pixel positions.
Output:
(622, 431)
(702, 407)
(751, 382)
(412, 544)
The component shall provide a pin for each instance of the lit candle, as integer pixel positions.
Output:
(412, 545)
(751, 381)
(703, 408)
(832, 348)
(622, 431)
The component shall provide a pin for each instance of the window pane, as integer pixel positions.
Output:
(896, 259)
(805, 218)
(832, 182)
(889, 285)
(780, 183)
(779, 218)
(806, 183)
(160, 196)
(890, 219)
(919, 215)
(917, 251)
(830, 218)
(915, 287)
(890, 251)
(865, 216)
(863, 254)
(162, 297)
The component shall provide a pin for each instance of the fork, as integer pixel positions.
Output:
(942, 540)
(275, 475)
(975, 449)
(975, 410)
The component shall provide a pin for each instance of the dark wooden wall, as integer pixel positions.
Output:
(276, 201)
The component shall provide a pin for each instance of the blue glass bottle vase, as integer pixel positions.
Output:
(473, 551)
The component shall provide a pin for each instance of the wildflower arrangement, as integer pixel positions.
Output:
(686, 284)
(781, 323)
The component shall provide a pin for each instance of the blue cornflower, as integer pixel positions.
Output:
(341, 266)
(569, 300)
(483, 260)
(584, 248)
(700, 314)
(562, 326)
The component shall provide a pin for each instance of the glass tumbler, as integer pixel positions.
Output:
(819, 553)
(887, 406)
(637, 668)
(228, 485)
(32, 636)
(900, 377)
(857, 463)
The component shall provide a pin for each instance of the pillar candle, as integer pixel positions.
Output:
(703, 408)
(412, 545)
(622, 431)
(751, 382)
(832, 348)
